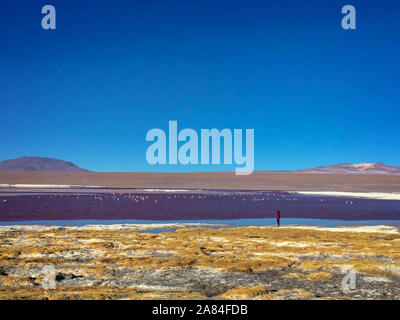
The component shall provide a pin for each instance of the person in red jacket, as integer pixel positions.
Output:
(278, 218)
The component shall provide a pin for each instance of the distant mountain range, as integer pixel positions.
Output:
(371, 168)
(38, 164)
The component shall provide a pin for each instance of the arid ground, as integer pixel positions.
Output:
(119, 262)
(214, 180)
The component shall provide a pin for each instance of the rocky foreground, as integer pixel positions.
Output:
(119, 262)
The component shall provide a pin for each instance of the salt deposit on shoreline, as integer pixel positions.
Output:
(47, 186)
(172, 226)
(369, 229)
(110, 227)
(366, 195)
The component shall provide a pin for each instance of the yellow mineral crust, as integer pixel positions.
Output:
(245, 292)
(315, 276)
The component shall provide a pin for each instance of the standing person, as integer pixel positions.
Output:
(278, 218)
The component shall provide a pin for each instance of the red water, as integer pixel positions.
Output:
(193, 206)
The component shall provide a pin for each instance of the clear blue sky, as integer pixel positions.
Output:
(89, 91)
